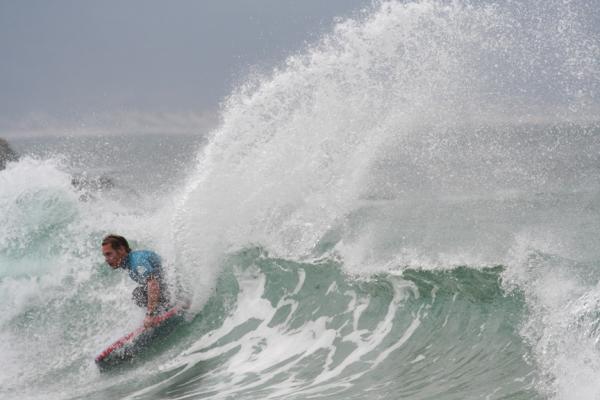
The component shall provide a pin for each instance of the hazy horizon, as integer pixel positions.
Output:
(72, 67)
(85, 68)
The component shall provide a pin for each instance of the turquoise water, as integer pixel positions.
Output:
(277, 328)
(407, 209)
(306, 329)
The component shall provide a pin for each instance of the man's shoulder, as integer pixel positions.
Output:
(142, 253)
(137, 256)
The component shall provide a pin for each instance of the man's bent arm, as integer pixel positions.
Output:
(153, 295)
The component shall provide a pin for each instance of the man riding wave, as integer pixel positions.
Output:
(145, 268)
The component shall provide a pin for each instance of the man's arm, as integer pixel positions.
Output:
(153, 298)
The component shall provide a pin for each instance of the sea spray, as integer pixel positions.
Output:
(298, 149)
(425, 134)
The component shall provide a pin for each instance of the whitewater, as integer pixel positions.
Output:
(408, 208)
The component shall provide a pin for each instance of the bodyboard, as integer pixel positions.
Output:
(134, 343)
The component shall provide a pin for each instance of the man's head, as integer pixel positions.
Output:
(115, 249)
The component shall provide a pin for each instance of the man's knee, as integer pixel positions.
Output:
(140, 296)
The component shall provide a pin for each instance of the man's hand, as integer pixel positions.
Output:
(150, 321)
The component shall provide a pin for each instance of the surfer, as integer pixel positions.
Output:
(145, 268)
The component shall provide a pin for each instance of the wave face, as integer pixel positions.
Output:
(298, 330)
(407, 209)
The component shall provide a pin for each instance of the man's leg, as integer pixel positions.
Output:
(140, 296)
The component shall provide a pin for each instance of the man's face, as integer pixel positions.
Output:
(113, 257)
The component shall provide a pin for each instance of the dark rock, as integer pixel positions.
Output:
(90, 185)
(6, 154)
(94, 184)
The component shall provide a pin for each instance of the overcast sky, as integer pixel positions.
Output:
(147, 64)
(63, 60)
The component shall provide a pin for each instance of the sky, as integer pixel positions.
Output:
(148, 66)
(80, 63)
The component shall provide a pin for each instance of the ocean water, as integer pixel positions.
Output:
(407, 209)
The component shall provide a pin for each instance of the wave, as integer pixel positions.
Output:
(295, 330)
(377, 216)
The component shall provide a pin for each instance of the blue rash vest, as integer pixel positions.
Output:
(142, 264)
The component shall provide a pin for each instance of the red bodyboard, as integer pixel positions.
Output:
(125, 347)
